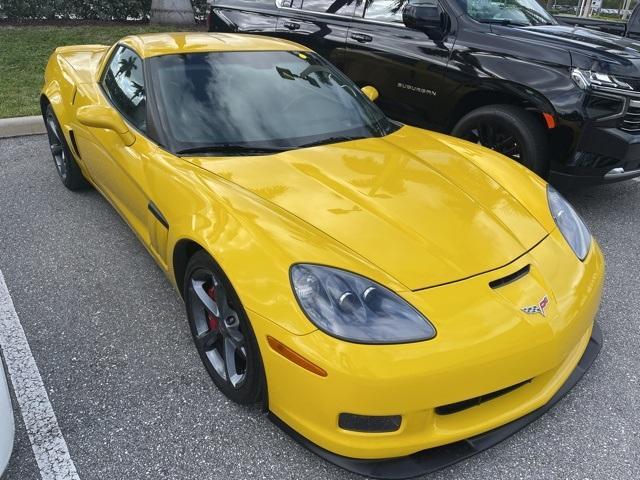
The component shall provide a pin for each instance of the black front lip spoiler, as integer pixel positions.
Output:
(433, 459)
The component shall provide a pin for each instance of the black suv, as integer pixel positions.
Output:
(562, 100)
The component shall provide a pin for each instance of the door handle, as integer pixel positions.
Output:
(361, 37)
(291, 25)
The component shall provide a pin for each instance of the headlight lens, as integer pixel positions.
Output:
(570, 224)
(586, 79)
(355, 308)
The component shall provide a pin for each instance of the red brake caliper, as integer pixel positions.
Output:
(213, 320)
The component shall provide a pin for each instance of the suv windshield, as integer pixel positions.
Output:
(228, 103)
(508, 12)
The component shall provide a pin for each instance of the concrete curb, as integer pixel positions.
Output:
(19, 126)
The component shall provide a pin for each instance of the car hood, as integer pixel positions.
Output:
(407, 203)
(580, 42)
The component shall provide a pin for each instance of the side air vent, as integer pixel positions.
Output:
(72, 136)
(512, 277)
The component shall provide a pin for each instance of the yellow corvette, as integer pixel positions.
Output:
(398, 299)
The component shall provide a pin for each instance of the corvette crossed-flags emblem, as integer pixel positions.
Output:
(539, 308)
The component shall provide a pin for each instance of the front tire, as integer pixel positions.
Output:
(66, 166)
(509, 130)
(222, 332)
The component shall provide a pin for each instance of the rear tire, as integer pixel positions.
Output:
(222, 332)
(66, 165)
(509, 130)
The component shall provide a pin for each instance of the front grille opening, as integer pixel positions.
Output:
(631, 119)
(473, 402)
(369, 423)
(512, 277)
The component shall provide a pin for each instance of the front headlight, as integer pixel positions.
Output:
(570, 224)
(586, 79)
(356, 309)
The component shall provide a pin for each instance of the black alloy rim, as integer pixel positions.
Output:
(495, 137)
(56, 144)
(217, 330)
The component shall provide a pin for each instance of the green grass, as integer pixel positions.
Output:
(25, 51)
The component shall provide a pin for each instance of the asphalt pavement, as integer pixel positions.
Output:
(111, 342)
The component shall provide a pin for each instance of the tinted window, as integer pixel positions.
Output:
(385, 10)
(514, 12)
(124, 84)
(272, 100)
(337, 7)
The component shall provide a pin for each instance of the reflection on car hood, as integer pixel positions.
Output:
(412, 206)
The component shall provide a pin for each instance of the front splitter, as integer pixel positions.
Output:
(433, 459)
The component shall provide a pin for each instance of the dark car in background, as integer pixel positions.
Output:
(562, 100)
(629, 29)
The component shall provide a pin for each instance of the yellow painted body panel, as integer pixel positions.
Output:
(155, 44)
(484, 344)
(405, 196)
(431, 217)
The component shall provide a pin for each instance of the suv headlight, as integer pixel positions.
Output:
(570, 224)
(356, 309)
(586, 79)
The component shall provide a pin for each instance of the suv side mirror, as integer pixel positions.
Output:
(423, 15)
(101, 116)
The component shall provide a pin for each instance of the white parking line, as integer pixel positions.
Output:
(48, 444)
(636, 179)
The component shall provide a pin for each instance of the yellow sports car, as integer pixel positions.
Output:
(383, 289)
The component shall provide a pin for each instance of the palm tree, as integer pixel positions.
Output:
(127, 65)
(172, 12)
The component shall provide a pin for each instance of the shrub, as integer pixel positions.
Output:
(84, 10)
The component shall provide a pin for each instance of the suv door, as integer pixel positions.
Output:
(405, 65)
(321, 25)
(250, 16)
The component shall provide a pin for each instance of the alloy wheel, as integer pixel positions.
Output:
(57, 146)
(496, 138)
(217, 329)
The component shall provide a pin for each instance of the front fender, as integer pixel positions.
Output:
(254, 242)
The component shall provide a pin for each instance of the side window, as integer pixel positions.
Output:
(124, 85)
(388, 10)
(336, 7)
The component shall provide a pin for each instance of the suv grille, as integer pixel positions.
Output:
(631, 121)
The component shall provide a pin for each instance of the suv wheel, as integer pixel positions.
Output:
(509, 130)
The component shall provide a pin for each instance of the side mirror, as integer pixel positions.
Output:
(423, 15)
(370, 92)
(101, 116)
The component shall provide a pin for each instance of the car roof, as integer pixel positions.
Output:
(155, 44)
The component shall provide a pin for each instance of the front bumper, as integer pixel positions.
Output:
(431, 460)
(484, 344)
(603, 155)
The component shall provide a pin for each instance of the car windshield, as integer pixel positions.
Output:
(508, 12)
(256, 102)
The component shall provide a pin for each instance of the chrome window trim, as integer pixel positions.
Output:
(278, 4)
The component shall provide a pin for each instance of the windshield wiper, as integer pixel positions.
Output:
(327, 140)
(503, 21)
(229, 148)
(532, 13)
